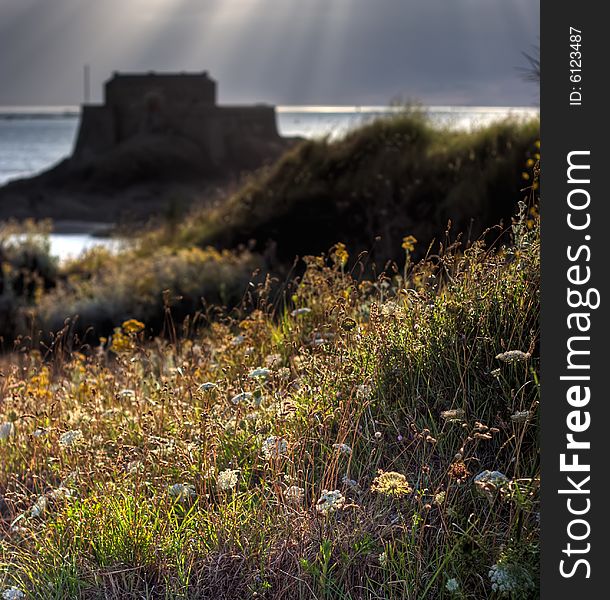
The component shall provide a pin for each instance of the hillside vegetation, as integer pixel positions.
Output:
(371, 438)
(394, 178)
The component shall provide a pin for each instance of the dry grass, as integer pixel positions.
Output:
(399, 375)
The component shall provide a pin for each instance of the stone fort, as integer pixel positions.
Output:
(172, 104)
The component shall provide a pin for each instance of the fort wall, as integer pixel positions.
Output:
(174, 105)
(97, 132)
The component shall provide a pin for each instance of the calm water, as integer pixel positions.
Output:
(34, 139)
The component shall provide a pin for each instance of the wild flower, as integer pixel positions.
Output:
(132, 326)
(364, 391)
(496, 373)
(239, 398)
(182, 491)
(329, 502)
(489, 483)
(458, 469)
(294, 494)
(61, 493)
(71, 438)
(383, 559)
(408, 243)
(298, 312)
(521, 416)
(513, 356)
(456, 414)
(439, 498)
(274, 447)
(343, 449)
(39, 507)
(227, 479)
(378, 435)
(339, 254)
(12, 593)
(6, 430)
(391, 483)
(207, 386)
(350, 483)
(452, 586)
(127, 393)
(260, 373)
(509, 579)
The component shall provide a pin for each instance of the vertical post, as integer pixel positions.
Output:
(86, 84)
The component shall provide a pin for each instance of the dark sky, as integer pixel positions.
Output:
(279, 51)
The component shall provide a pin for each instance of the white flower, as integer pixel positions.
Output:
(439, 498)
(261, 373)
(237, 340)
(61, 493)
(39, 506)
(383, 559)
(294, 494)
(127, 393)
(378, 435)
(182, 491)
(364, 392)
(350, 483)
(521, 416)
(208, 385)
(239, 398)
(457, 414)
(330, 501)
(71, 438)
(343, 449)
(297, 312)
(274, 447)
(507, 579)
(490, 482)
(496, 478)
(512, 356)
(452, 586)
(12, 593)
(227, 479)
(6, 430)
(134, 467)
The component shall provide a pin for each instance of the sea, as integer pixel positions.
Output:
(33, 139)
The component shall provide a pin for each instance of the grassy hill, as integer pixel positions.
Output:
(397, 176)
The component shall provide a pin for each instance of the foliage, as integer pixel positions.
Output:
(393, 176)
(325, 448)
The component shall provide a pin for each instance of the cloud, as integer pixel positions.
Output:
(280, 51)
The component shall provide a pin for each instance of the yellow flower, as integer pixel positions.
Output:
(340, 254)
(525, 175)
(132, 326)
(391, 483)
(121, 342)
(530, 162)
(408, 243)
